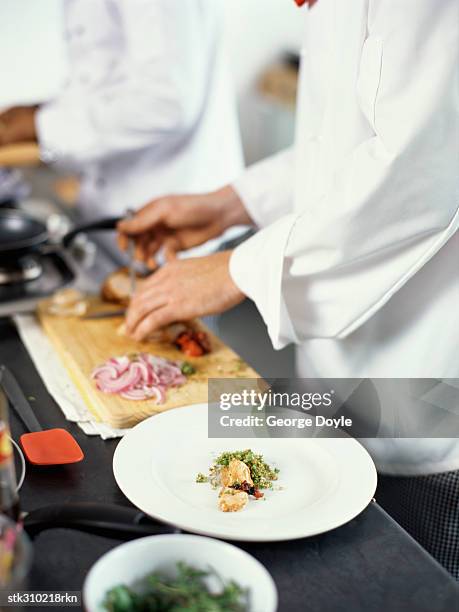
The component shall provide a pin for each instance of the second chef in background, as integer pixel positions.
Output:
(148, 91)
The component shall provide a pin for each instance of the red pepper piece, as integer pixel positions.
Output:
(192, 349)
(193, 344)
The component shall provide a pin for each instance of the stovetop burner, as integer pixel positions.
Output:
(46, 274)
(27, 268)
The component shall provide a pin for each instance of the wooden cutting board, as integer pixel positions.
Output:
(83, 344)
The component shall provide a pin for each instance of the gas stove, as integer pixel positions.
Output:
(24, 269)
(30, 279)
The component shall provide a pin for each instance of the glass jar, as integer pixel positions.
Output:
(15, 555)
(9, 500)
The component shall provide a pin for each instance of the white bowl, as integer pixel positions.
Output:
(130, 562)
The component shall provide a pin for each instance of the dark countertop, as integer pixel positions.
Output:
(369, 565)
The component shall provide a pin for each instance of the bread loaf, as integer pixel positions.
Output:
(117, 287)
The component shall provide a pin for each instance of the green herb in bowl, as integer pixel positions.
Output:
(187, 591)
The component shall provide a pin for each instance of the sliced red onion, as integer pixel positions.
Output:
(120, 363)
(134, 394)
(143, 377)
(125, 382)
(157, 392)
(142, 369)
(106, 371)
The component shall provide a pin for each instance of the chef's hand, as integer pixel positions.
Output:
(182, 290)
(17, 124)
(180, 222)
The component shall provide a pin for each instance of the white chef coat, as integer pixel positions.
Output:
(148, 108)
(357, 257)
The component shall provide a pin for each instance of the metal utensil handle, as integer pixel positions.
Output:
(18, 400)
(108, 223)
(103, 519)
(131, 255)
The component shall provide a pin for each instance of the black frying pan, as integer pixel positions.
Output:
(21, 234)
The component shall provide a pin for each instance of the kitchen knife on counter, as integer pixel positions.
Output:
(105, 314)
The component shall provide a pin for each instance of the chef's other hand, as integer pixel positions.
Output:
(180, 222)
(182, 290)
(17, 124)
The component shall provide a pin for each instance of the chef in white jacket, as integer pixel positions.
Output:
(357, 254)
(148, 95)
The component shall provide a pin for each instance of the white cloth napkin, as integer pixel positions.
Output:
(57, 381)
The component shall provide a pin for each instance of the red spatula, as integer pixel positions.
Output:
(41, 447)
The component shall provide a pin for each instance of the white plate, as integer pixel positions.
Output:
(131, 562)
(325, 482)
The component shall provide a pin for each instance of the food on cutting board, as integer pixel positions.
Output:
(141, 376)
(240, 474)
(117, 286)
(67, 303)
(192, 341)
(184, 336)
(187, 591)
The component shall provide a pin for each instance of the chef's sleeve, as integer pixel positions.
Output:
(391, 206)
(266, 188)
(155, 95)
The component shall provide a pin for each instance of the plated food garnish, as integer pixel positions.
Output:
(141, 376)
(240, 474)
(188, 591)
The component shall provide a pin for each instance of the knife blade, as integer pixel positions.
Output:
(131, 255)
(104, 314)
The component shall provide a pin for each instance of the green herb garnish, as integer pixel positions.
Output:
(187, 591)
(188, 368)
(262, 474)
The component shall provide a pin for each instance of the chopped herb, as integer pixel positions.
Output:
(187, 591)
(202, 477)
(262, 474)
(188, 368)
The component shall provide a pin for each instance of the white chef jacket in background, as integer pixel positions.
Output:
(357, 257)
(148, 109)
